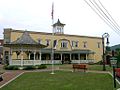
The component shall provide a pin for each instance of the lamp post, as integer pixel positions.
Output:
(113, 62)
(105, 35)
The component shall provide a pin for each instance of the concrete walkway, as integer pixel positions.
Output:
(8, 76)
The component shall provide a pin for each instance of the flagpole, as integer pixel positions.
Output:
(52, 56)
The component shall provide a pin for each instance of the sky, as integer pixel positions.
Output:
(80, 19)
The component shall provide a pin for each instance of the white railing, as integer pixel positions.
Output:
(34, 62)
(16, 62)
(82, 61)
(39, 62)
(50, 61)
(26, 62)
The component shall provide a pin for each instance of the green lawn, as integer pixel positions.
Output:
(99, 67)
(90, 67)
(61, 80)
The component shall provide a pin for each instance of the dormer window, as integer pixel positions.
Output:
(74, 43)
(85, 44)
(64, 44)
(98, 44)
(39, 41)
(47, 42)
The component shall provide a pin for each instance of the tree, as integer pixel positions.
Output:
(117, 55)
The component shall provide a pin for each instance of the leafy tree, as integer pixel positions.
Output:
(117, 55)
(108, 48)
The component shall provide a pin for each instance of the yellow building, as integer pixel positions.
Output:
(34, 48)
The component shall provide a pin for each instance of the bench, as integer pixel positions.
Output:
(80, 66)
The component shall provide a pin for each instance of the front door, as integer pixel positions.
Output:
(66, 58)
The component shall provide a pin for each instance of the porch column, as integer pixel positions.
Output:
(86, 57)
(21, 57)
(29, 55)
(40, 57)
(10, 57)
(61, 58)
(70, 56)
(79, 57)
(93, 57)
(34, 57)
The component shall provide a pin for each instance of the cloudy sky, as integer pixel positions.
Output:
(80, 19)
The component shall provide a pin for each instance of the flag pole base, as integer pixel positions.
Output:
(52, 73)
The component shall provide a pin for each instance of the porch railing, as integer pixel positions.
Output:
(82, 61)
(39, 62)
(34, 62)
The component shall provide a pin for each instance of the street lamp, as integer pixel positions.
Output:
(105, 35)
(113, 62)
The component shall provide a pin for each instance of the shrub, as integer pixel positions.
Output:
(8, 67)
(91, 63)
(42, 66)
(99, 62)
(29, 68)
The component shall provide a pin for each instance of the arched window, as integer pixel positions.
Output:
(64, 44)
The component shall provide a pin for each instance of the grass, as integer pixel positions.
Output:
(99, 67)
(90, 67)
(61, 80)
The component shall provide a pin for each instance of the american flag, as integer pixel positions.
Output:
(52, 13)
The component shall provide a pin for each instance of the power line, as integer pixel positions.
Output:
(109, 15)
(99, 14)
(107, 19)
(105, 16)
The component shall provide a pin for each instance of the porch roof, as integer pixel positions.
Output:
(25, 41)
(65, 51)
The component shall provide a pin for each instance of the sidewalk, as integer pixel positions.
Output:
(8, 76)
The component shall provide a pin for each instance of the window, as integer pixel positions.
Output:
(74, 43)
(39, 41)
(64, 44)
(47, 42)
(85, 44)
(54, 43)
(98, 44)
